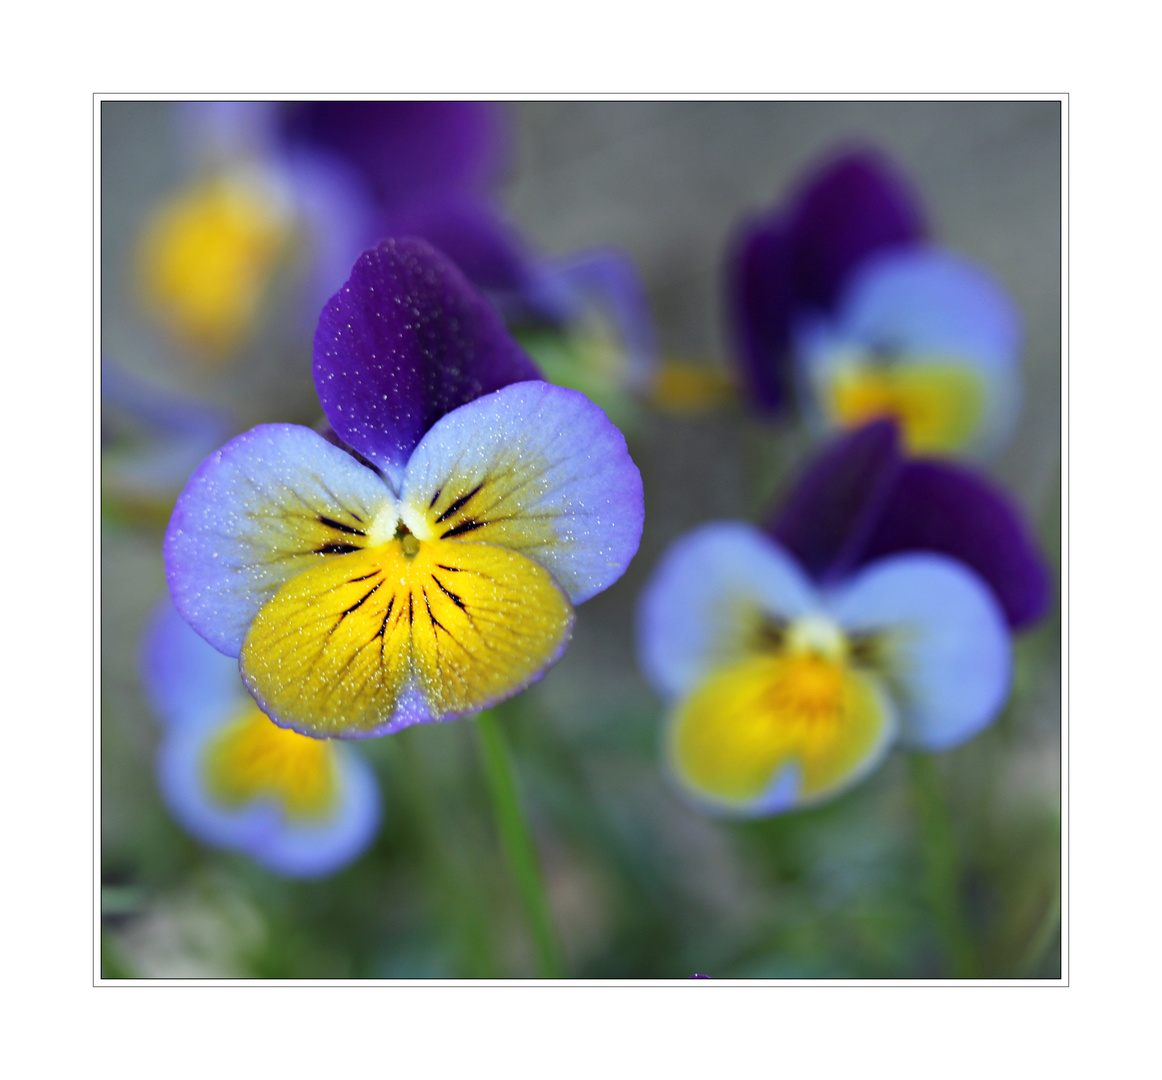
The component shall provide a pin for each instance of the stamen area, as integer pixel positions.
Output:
(801, 708)
(343, 647)
(938, 403)
(252, 758)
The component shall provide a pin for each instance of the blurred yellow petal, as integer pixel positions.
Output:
(252, 758)
(747, 723)
(404, 632)
(938, 404)
(682, 387)
(207, 256)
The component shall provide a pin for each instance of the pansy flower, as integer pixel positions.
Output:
(427, 566)
(839, 295)
(792, 666)
(298, 806)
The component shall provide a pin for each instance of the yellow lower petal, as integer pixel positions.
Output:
(939, 405)
(340, 647)
(737, 732)
(252, 758)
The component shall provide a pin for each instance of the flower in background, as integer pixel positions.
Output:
(258, 232)
(795, 658)
(286, 195)
(427, 567)
(839, 293)
(300, 807)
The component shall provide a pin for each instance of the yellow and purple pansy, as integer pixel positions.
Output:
(423, 562)
(794, 657)
(839, 296)
(300, 807)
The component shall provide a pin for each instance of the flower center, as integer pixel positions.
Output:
(253, 758)
(938, 403)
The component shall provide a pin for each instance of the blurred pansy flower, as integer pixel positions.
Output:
(255, 233)
(793, 664)
(427, 567)
(839, 293)
(300, 807)
(285, 195)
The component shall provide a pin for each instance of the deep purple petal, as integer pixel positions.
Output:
(839, 499)
(854, 206)
(761, 306)
(404, 342)
(407, 148)
(949, 509)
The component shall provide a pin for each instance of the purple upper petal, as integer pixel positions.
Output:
(762, 304)
(407, 149)
(405, 341)
(797, 258)
(839, 499)
(935, 506)
(853, 207)
(860, 501)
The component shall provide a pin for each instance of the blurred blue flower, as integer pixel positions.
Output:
(423, 562)
(300, 807)
(877, 609)
(839, 294)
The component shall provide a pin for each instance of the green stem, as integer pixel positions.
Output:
(447, 866)
(517, 841)
(941, 865)
(1043, 937)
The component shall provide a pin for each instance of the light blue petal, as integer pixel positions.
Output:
(179, 775)
(261, 829)
(916, 306)
(700, 608)
(927, 300)
(536, 468)
(949, 650)
(186, 681)
(255, 514)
